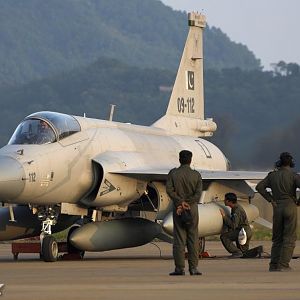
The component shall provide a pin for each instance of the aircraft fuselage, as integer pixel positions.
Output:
(62, 171)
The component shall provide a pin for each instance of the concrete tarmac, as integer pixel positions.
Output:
(142, 273)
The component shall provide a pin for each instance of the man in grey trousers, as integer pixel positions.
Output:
(283, 183)
(184, 187)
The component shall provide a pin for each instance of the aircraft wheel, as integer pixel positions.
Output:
(201, 244)
(49, 249)
(71, 248)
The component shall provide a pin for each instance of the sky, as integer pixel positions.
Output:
(269, 28)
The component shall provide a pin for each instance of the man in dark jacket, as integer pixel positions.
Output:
(283, 183)
(184, 187)
(232, 226)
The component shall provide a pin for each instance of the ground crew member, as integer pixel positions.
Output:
(283, 182)
(232, 226)
(184, 187)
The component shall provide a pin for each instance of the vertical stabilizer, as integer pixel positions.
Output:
(185, 113)
(187, 97)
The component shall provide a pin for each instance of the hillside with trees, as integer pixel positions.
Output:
(258, 112)
(43, 38)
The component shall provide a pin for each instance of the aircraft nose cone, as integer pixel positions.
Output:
(11, 174)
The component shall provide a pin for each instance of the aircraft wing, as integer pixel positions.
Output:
(132, 164)
(161, 174)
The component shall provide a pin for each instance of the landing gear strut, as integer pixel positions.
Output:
(49, 247)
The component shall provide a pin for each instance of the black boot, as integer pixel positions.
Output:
(195, 272)
(177, 272)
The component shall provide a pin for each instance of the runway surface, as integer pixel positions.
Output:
(142, 273)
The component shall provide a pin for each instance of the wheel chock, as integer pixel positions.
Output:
(205, 254)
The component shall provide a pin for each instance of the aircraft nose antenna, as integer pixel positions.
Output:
(11, 182)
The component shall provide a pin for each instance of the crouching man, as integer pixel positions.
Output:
(233, 225)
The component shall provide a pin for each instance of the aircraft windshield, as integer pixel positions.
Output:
(33, 131)
(44, 127)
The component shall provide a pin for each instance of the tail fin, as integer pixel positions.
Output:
(185, 113)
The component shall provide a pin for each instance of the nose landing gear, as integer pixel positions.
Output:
(49, 246)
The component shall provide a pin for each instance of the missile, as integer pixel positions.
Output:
(115, 234)
(210, 218)
(27, 224)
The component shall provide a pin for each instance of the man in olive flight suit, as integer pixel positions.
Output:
(232, 226)
(283, 182)
(184, 187)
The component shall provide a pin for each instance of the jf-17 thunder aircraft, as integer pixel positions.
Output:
(102, 178)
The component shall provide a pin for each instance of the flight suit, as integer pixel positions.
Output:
(231, 229)
(283, 183)
(185, 184)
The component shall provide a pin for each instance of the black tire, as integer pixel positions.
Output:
(49, 249)
(201, 245)
(71, 248)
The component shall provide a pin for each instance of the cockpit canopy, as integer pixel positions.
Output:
(44, 128)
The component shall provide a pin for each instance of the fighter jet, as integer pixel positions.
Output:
(106, 180)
